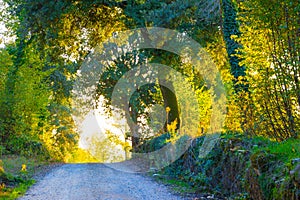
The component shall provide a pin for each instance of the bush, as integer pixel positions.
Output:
(240, 167)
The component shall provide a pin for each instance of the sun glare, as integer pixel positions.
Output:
(104, 136)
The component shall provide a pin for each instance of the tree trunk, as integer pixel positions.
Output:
(170, 101)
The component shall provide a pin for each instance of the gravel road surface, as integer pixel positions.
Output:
(96, 181)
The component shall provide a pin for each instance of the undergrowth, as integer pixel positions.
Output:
(16, 174)
(238, 167)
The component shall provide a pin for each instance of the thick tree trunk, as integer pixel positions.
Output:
(170, 101)
(135, 135)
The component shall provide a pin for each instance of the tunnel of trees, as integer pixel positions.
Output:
(254, 44)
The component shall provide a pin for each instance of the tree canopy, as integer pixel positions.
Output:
(254, 44)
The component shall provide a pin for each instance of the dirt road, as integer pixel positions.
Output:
(96, 181)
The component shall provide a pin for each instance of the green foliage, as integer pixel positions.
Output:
(6, 64)
(286, 150)
(270, 48)
(28, 111)
(238, 167)
(230, 29)
(255, 45)
(16, 177)
(155, 143)
(82, 156)
(177, 185)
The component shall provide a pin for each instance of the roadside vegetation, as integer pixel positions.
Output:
(253, 43)
(16, 174)
(239, 167)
